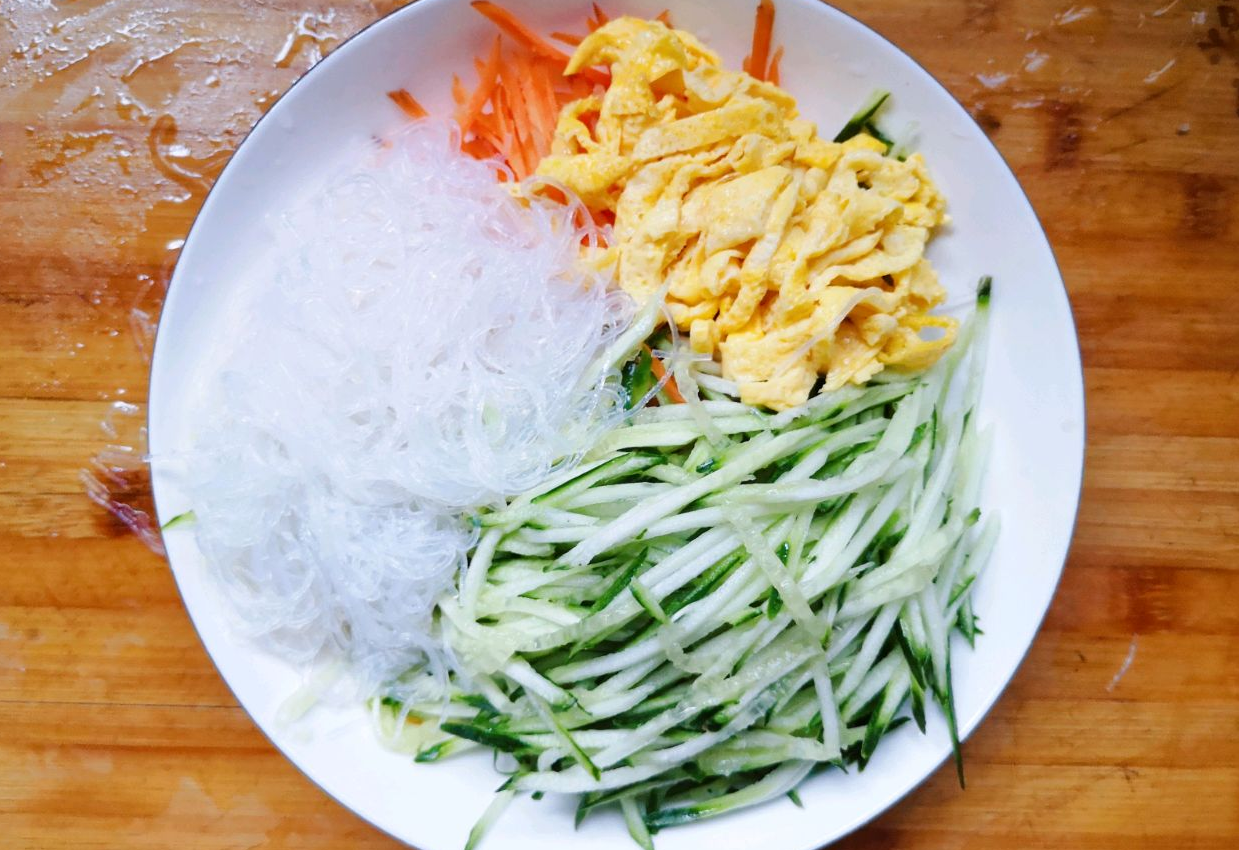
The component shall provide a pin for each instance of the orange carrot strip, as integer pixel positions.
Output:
(478, 148)
(553, 100)
(503, 119)
(487, 77)
(521, 161)
(543, 127)
(511, 146)
(511, 99)
(517, 110)
(579, 87)
(670, 388)
(541, 120)
(491, 125)
(485, 124)
(514, 108)
(773, 73)
(534, 115)
(763, 28)
(547, 104)
(474, 147)
(665, 17)
(600, 18)
(407, 103)
(493, 121)
(522, 108)
(519, 33)
(597, 76)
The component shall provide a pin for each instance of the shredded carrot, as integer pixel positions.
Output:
(525, 89)
(600, 18)
(512, 110)
(665, 17)
(523, 35)
(532, 126)
(486, 126)
(763, 29)
(518, 32)
(503, 118)
(514, 100)
(478, 148)
(408, 103)
(514, 107)
(670, 388)
(772, 74)
(535, 117)
(548, 106)
(579, 87)
(505, 141)
(488, 75)
(459, 95)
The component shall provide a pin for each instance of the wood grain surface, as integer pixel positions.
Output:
(1121, 730)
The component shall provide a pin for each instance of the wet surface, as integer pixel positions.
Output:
(138, 107)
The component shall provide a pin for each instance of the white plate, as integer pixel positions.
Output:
(1033, 399)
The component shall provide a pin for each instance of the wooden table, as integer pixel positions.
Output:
(1121, 730)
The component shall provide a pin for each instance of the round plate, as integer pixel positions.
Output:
(1033, 399)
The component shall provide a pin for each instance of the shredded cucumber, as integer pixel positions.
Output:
(723, 600)
(185, 518)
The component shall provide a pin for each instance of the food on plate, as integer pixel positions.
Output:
(608, 428)
(437, 349)
(686, 626)
(786, 255)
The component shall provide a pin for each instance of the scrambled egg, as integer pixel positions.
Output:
(786, 257)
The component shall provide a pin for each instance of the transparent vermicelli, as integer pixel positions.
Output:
(430, 345)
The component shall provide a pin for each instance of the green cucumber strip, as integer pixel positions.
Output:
(880, 721)
(489, 816)
(647, 601)
(864, 116)
(622, 580)
(947, 699)
(582, 758)
(637, 378)
(634, 819)
(776, 783)
(180, 519)
(756, 454)
(486, 737)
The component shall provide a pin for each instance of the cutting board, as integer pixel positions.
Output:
(1121, 729)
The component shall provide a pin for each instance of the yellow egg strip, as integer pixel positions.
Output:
(788, 257)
